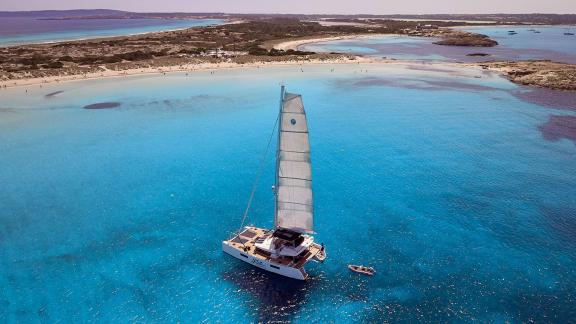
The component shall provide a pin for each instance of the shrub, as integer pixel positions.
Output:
(55, 65)
(257, 50)
(111, 59)
(34, 60)
(85, 60)
(135, 56)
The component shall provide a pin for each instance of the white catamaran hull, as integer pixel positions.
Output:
(299, 274)
(289, 245)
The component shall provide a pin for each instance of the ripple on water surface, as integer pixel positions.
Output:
(464, 204)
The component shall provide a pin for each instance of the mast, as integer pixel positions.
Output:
(277, 178)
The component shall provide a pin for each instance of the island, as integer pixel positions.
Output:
(247, 39)
(467, 39)
(242, 40)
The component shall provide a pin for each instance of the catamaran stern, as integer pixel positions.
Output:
(294, 273)
(250, 246)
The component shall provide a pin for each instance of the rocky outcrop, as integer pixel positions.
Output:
(546, 74)
(467, 39)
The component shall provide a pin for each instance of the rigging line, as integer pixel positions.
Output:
(259, 174)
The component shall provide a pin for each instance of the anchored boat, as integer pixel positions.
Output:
(362, 269)
(287, 247)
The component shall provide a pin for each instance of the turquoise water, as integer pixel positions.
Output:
(442, 179)
(14, 31)
(550, 43)
(389, 46)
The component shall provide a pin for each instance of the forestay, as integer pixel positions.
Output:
(294, 177)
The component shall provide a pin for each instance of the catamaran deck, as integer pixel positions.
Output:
(246, 243)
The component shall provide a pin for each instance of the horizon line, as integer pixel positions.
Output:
(277, 13)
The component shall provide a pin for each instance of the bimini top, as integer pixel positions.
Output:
(286, 235)
(294, 208)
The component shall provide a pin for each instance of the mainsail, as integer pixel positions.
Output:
(293, 172)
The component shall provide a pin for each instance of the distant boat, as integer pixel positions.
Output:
(511, 32)
(536, 32)
(290, 245)
(362, 269)
(568, 34)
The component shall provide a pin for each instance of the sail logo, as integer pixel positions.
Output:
(293, 121)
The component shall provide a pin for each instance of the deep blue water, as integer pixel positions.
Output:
(447, 181)
(15, 31)
(550, 43)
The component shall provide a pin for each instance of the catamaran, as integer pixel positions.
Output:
(287, 247)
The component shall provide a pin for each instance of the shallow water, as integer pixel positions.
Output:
(445, 181)
(14, 31)
(550, 43)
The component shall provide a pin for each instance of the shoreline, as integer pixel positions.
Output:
(538, 74)
(95, 38)
(534, 73)
(295, 43)
(192, 67)
(443, 34)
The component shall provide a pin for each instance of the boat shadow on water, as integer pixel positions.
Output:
(278, 298)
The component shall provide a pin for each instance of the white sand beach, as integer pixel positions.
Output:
(294, 44)
(107, 73)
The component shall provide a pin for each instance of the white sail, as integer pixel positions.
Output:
(294, 177)
(283, 251)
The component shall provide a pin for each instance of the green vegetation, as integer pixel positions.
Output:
(213, 43)
(66, 58)
(53, 65)
(259, 51)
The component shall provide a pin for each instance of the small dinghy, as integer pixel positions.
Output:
(362, 269)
